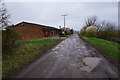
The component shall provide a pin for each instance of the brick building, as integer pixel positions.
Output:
(31, 30)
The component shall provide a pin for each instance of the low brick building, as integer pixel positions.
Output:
(31, 30)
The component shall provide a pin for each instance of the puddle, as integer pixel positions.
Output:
(86, 51)
(57, 47)
(83, 47)
(61, 45)
(89, 63)
(80, 53)
(53, 49)
(61, 55)
(78, 47)
(67, 57)
(56, 52)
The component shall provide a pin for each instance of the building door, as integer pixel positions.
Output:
(47, 33)
(44, 33)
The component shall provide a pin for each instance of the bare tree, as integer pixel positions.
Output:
(107, 30)
(106, 25)
(91, 21)
(4, 17)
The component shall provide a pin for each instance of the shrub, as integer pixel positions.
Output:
(9, 36)
(90, 31)
(83, 32)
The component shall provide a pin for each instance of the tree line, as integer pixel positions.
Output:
(101, 29)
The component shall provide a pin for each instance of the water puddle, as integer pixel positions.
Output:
(89, 63)
(61, 55)
(57, 48)
(56, 52)
(80, 53)
(53, 49)
(67, 57)
(83, 47)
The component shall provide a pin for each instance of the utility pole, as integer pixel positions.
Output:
(64, 19)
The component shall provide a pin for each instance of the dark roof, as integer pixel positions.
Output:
(36, 24)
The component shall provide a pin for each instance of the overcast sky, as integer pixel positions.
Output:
(49, 13)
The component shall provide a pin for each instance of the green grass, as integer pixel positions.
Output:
(108, 48)
(25, 54)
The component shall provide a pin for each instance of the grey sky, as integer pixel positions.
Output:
(49, 13)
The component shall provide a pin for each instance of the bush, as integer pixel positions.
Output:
(71, 31)
(118, 33)
(9, 36)
(63, 35)
(90, 31)
(83, 32)
(108, 33)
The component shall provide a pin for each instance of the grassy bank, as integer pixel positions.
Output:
(107, 48)
(23, 55)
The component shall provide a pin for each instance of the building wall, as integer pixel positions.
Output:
(30, 30)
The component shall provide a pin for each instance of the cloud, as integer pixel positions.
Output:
(49, 13)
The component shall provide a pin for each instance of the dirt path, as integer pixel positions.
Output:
(72, 58)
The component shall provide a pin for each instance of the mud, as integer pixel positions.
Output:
(72, 58)
(89, 63)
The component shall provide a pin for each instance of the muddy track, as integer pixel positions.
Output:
(72, 58)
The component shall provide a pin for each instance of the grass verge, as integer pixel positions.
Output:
(109, 49)
(27, 52)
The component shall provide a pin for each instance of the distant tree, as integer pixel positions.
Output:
(72, 31)
(4, 17)
(83, 32)
(91, 21)
(105, 29)
(66, 31)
